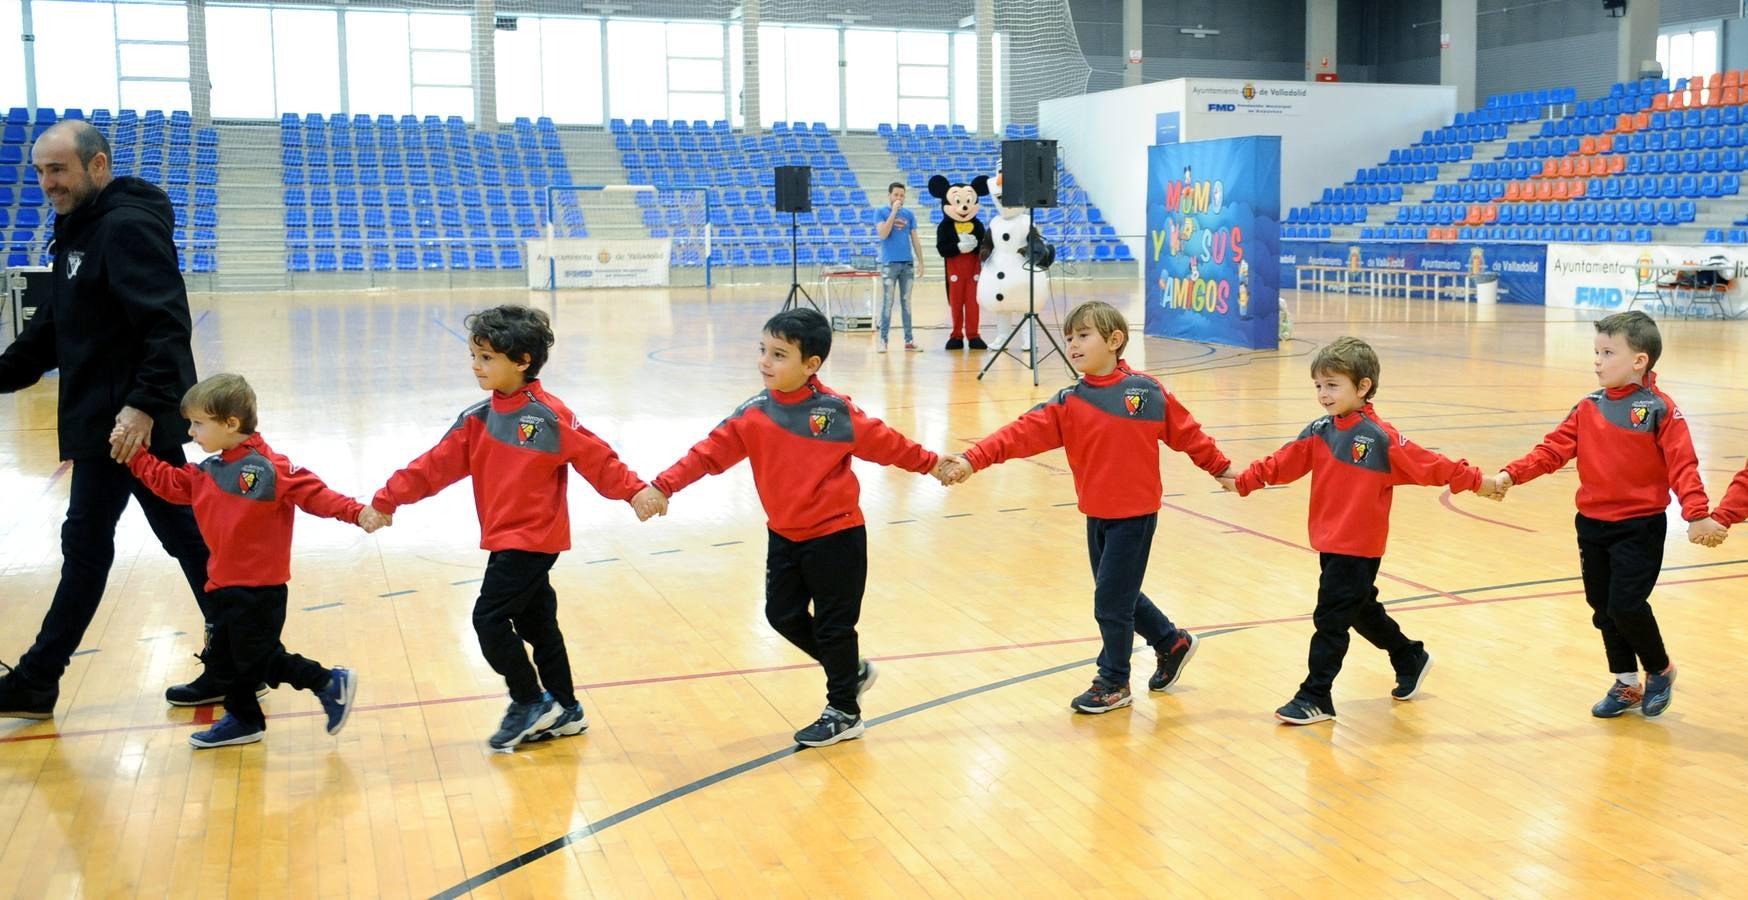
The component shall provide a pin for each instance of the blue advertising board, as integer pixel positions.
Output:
(1522, 268)
(1165, 128)
(1213, 241)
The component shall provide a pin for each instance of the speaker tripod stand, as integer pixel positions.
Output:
(1030, 321)
(797, 293)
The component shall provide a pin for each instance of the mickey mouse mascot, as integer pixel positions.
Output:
(957, 239)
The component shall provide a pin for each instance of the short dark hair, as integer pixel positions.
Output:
(896, 184)
(805, 327)
(88, 142)
(1101, 317)
(222, 397)
(518, 332)
(1641, 331)
(1349, 356)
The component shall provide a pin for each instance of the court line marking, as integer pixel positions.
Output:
(1444, 500)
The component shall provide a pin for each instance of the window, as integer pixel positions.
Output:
(75, 54)
(1689, 52)
(152, 55)
(11, 52)
(379, 75)
(870, 78)
(239, 42)
(306, 60)
(637, 74)
(924, 83)
(570, 69)
(798, 78)
(442, 64)
(695, 70)
(965, 68)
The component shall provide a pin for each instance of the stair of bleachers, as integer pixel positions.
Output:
(166, 150)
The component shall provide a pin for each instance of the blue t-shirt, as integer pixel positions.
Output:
(896, 246)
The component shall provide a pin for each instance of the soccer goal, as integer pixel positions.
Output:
(620, 235)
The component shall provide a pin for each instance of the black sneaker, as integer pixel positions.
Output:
(955, 344)
(1410, 677)
(20, 700)
(522, 720)
(206, 689)
(1303, 712)
(1172, 661)
(831, 727)
(865, 678)
(1102, 697)
(977, 343)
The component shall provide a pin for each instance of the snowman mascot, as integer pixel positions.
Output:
(1010, 279)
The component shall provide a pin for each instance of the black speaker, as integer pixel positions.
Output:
(1028, 174)
(794, 189)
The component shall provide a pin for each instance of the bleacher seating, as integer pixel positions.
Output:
(386, 194)
(165, 150)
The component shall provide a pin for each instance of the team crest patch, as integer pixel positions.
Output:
(1640, 414)
(527, 428)
(1134, 400)
(248, 478)
(819, 421)
(1362, 447)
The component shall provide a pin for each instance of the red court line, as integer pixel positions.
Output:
(1445, 500)
(692, 676)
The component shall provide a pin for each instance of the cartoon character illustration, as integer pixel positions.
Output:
(1216, 203)
(957, 239)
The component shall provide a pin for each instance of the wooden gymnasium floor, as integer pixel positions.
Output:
(975, 779)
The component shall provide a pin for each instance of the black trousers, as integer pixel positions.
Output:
(98, 494)
(517, 605)
(1621, 561)
(254, 617)
(1118, 550)
(830, 572)
(1347, 598)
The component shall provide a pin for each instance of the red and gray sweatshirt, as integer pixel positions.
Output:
(800, 443)
(1356, 460)
(1734, 507)
(1111, 426)
(1633, 448)
(516, 447)
(244, 500)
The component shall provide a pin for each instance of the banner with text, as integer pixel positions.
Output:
(567, 263)
(1608, 276)
(1213, 241)
(1521, 267)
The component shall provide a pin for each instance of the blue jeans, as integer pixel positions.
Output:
(1118, 549)
(896, 276)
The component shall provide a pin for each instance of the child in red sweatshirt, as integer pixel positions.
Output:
(1111, 422)
(245, 498)
(1355, 460)
(800, 436)
(1633, 447)
(1730, 510)
(517, 445)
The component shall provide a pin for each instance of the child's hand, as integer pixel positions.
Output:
(1228, 481)
(372, 520)
(1707, 532)
(952, 470)
(1496, 491)
(117, 437)
(650, 502)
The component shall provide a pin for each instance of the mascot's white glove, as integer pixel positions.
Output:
(967, 242)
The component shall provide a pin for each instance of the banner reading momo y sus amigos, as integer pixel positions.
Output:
(1213, 241)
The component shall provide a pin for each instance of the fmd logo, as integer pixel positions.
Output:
(1604, 297)
(1222, 107)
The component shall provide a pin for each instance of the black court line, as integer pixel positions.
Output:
(607, 560)
(638, 809)
(665, 552)
(727, 543)
(159, 637)
(398, 593)
(88, 652)
(323, 606)
(956, 515)
(466, 581)
(1013, 509)
(1541, 581)
(901, 521)
(1074, 503)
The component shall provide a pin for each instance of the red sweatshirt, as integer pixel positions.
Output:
(516, 447)
(1355, 460)
(1635, 449)
(244, 500)
(800, 443)
(1111, 426)
(1734, 507)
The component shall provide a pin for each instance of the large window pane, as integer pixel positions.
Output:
(922, 112)
(811, 66)
(1705, 53)
(927, 48)
(965, 79)
(378, 79)
(637, 74)
(695, 75)
(165, 95)
(75, 54)
(695, 106)
(870, 77)
(240, 59)
(570, 52)
(151, 22)
(154, 60)
(922, 81)
(737, 54)
(517, 56)
(773, 87)
(442, 67)
(437, 31)
(11, 53)
(306, 60)
(695, 39)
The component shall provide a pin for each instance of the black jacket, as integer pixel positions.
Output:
(115, 322)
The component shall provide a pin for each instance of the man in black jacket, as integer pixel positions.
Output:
(116, 325)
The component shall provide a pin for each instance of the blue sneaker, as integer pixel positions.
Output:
(1619, 699)
(522, 720)
(865, 678)
(570, 721)
(1658, 689)
(1299, 711)
(337, 697)
(226, 732)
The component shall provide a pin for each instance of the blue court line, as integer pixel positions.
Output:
(323, 606)
(398, 593)
(638, 809)
(466, 581)
(87, 652)
(457, 335)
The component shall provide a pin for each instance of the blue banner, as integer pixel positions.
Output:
(1165, 126)
(1213, 231)
(1522, 268)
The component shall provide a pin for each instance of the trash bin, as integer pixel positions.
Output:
(1486, 289)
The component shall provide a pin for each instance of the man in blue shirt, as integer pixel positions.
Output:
(901, 263)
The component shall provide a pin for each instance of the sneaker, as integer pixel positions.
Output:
(19, 700)
(977, 343)
(1102, 697)
(881, 348)
(522, 720)
(865, 678)
(337, 697)
(831, 727)
(1410, 677)
(1619, 699)
(1303, 712)
(205, 690)
(955, 344)
(1658, 689)
(227, 732)
(910, 346)
(1172, 661)
(570, 721)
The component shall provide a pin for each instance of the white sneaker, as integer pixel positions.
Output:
(881, 348)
